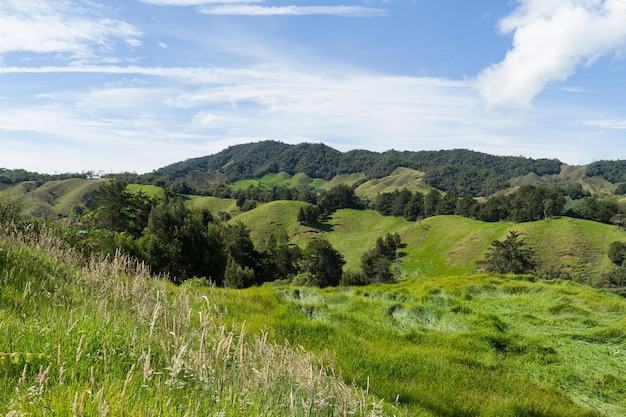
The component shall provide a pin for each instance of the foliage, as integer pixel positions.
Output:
(617, 252)
(237, 276)
(459, 171)
(323, 262)
(601, 210)
(183, 243)
(338, 197)
(354, 279)
(10, 211)
(376, 262)
(118, 210)
(612, 171)
(509, 256)
(308, 214)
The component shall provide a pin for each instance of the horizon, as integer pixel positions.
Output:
(135, 85)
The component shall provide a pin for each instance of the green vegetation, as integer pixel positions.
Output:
(106, 339)
(350, 311)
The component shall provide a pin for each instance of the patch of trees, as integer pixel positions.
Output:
(528, 203)
(612, 171)
(16, 176)
(183, 243)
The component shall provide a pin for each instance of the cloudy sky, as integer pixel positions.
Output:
(133, 85)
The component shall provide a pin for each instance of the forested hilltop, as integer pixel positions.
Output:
(461, 171)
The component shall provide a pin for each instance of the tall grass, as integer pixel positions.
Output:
(104, 338)
(461, 346)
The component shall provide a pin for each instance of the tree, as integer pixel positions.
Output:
(118, 210)
(431, 201)
(183, 243)
(341, 196)
(617, 253)
(237, 276)
(308, 214)
(323, 262)
(376, 262)
(509, 256)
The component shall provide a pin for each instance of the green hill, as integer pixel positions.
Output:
(52, 198)
(446, 245)
(107, 339)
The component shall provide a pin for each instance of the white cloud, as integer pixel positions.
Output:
(245, 10)
(59, 26)
(552, 38)
(618, 124)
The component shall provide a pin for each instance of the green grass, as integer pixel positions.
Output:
(53, 198)
(214, 204)
(401, 178)
(152, 191)
(461, 345)
(106, 339)
(275, 218)
(445, 245)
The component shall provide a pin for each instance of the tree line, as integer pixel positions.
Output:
(528, 203)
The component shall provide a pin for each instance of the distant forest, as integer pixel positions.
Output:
(460, 171)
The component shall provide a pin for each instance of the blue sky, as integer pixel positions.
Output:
(133, 85)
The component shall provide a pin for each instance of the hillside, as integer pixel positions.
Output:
(460, 171)
(52, 198)
(106, 339)
(445, 245)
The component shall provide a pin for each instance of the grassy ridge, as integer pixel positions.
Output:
(53, 197)
(105, 339)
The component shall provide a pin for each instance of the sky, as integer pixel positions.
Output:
(135, 85)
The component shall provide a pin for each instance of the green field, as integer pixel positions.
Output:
(106, 339)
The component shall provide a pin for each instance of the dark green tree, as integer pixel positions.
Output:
(118, 210)
(509, 256)
(376, 262)
(181, 243)
(323, 262)
(617, 253)
(338, 197)
(308, 214)
(415, 209)
(431, 201)
(237, 276)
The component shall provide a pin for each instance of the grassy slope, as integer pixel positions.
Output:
(87, 341)
(444, 245)
(214, 204)
(461, 345)
(104, 339)
(53, 197)
(568, 174)
(401, 178)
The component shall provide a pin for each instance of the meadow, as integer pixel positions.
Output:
(105, 338)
